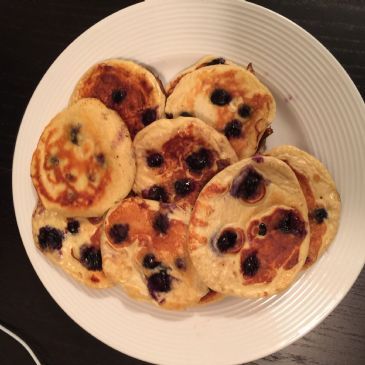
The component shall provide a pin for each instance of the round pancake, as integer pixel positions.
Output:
(134, 92)
(249, 230)
(320, 192)
(177, 157)
(71, 243)
(84, 161)
(144, 249)
(229, 98)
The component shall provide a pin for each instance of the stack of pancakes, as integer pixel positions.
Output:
(168, 192)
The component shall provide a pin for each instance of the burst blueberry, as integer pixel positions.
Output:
(220, 97)
(199, 160)
(251, 265)
(73, 226)
(90, 257)
(50, 238)
(119, 232)
(226, 240)
(184, 187)
(155, 160)
(149, 116)
(161, 223)
(150, 262)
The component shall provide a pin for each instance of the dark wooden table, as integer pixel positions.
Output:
(32, 34)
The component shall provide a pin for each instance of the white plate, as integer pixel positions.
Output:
(319, 109)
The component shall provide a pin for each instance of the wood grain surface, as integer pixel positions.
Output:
(33, 33)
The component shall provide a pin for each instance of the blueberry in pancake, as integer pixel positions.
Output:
(73, 244)
(177, 157)
(84, 160)
(144, 249)
(320, 192)
(134, 92)
(249, 230)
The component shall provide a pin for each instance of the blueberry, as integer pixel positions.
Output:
(233, 129)
(320, 215)
(50, 237)
(161, 223)
(100, 158)
(199, 160)
(291, 223)
(90, 257)
(169, 115)
(185, 114)
(155, 160)
(150, 262)
(220, 97)
(159, 282)
(74, 134)
(118, 95)
(247, 184)
(180, 263)
(226, 240)
(73, 226)
(262, 229)
(216, 61)
(54, 161)
(119, 232)
(244, 110)
(156, 192)
(251, 265)
(184, 187)
(149, 116)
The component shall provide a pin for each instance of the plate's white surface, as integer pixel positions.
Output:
(319, 109)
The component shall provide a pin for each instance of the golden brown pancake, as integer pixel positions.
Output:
(249, 231)
(177, 157)
(320, 192)
(84, 160)
(72, 244)
(227, 97)
(128, 88)
(144, 249)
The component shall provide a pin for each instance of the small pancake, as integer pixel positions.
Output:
(320, 192)
(84, 160)
(177, 157)
(134, 92)
(144, 249)
(249, 230)
(72, 244)
(229, 98)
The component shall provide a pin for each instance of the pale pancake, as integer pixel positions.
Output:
(320, 192)
(134, 92)
(84, 160)
(249, 230)
(144, 249)
(177, 157)
(72, 244)
(227, 97)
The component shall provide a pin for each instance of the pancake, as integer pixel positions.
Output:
(249, 230)
(84, 160)
(134, 92)
(177, 157)
(227, 97)
(320, 192)
(73, 244)
(144, 249)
